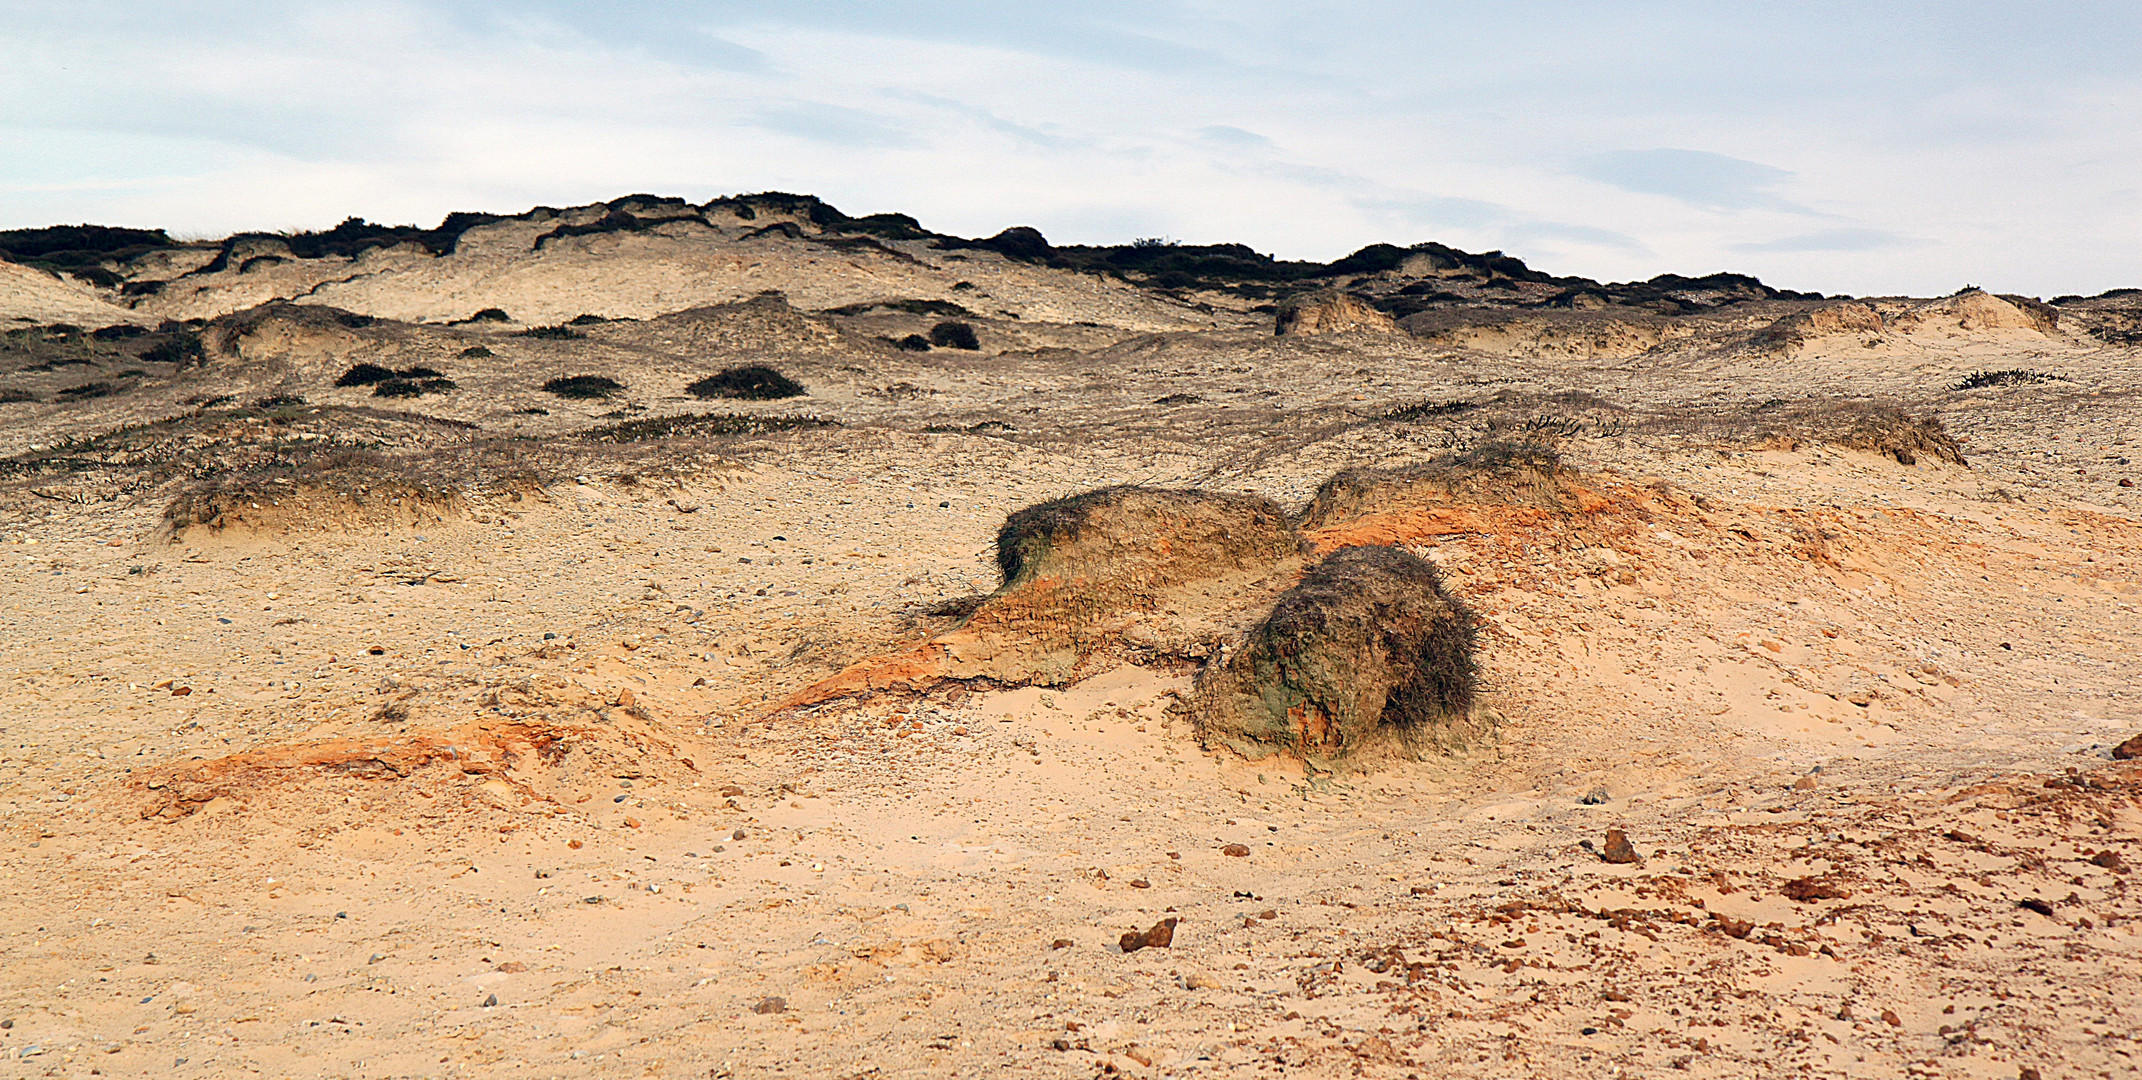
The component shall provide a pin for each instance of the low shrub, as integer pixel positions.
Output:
(474, 352)
(490, 314)
(181, 349)
(85, 391)
(701, 425)
(365, 375)
(409, 388)
(755, 382)
(911, 343)
(11, 395)
(1980, 380)
(583, 386)
(278, 401)
(953, 334)
(552, 333)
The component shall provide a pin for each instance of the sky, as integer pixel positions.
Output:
(1868, 147)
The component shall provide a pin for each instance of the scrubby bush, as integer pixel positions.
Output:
(755, 382)
(409, 388)
(1980, 380)
(474, 352)
(365, 375)
(953, 334)
(583, 386)
(552, 333)
(10, 395)
(490, 314)
(181, 349)
(912, 343)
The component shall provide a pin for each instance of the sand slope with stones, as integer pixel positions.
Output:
(509, 776)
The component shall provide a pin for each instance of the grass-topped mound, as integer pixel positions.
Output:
(1146, 535)
(1367, 647)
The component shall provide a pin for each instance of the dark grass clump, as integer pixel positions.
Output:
(755, 382)
(1370, 642)
(586, 320)
(1980, 380)
(476, 352)
(552, 333)
(409, 388)
(911, 343)
(278, 401)
(584, 387)
(1427, 410)
(1179, 399)
(945, 308)
(86, 391)
(701, 425)
(365, 375)
(15, 395)
(953, 334)
(180, 348)
(375, 375)
(489, 314)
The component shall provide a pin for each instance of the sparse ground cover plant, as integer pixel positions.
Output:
(552, 333)
(476, 352)
(489, 314)
(583, 387)
(753, 382)
(911, 343)
(1980, 380)
(14, 395)
(700, 425)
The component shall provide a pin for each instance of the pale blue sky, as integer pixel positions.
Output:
(1866, 147)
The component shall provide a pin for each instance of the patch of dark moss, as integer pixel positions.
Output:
(754, 382)
(702, 425)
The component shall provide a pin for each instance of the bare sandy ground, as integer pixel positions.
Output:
(495, 784)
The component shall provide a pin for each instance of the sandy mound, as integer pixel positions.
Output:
(1977, 312)
(1369, 644)
(1119, 573)
(1332, 313)
(1833, 320)
(1495, 487)
(29, 295)
(322, 502)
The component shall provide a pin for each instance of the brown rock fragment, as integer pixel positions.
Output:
(1618, 849)
(1160, 935)
(767, 1006)
(1236, 850)
(1732, 927)
(1890, 1017)
(2132, 748)
(1808, 889)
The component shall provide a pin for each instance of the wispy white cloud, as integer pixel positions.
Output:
(1924, 140)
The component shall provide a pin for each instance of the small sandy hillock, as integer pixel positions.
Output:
(1369, 645)
(1974, 311)
(1331, 313)
(1122, 573)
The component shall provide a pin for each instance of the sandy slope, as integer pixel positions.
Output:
(492, 783)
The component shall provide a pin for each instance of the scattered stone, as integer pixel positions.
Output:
(1805, 783)
(1890, 1017)
(1618, 849)
(1732, 927)
(768, 1006)
(1160, 935)
(1595, 797)
(512, 967)
(1062, 943)
(1200, 981)
(2110, 860)
(2037, 905)
(1808, 889)
(490, 1001)
(737, 835)
(2131, 748)
(1236, 850)
(376, 958)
